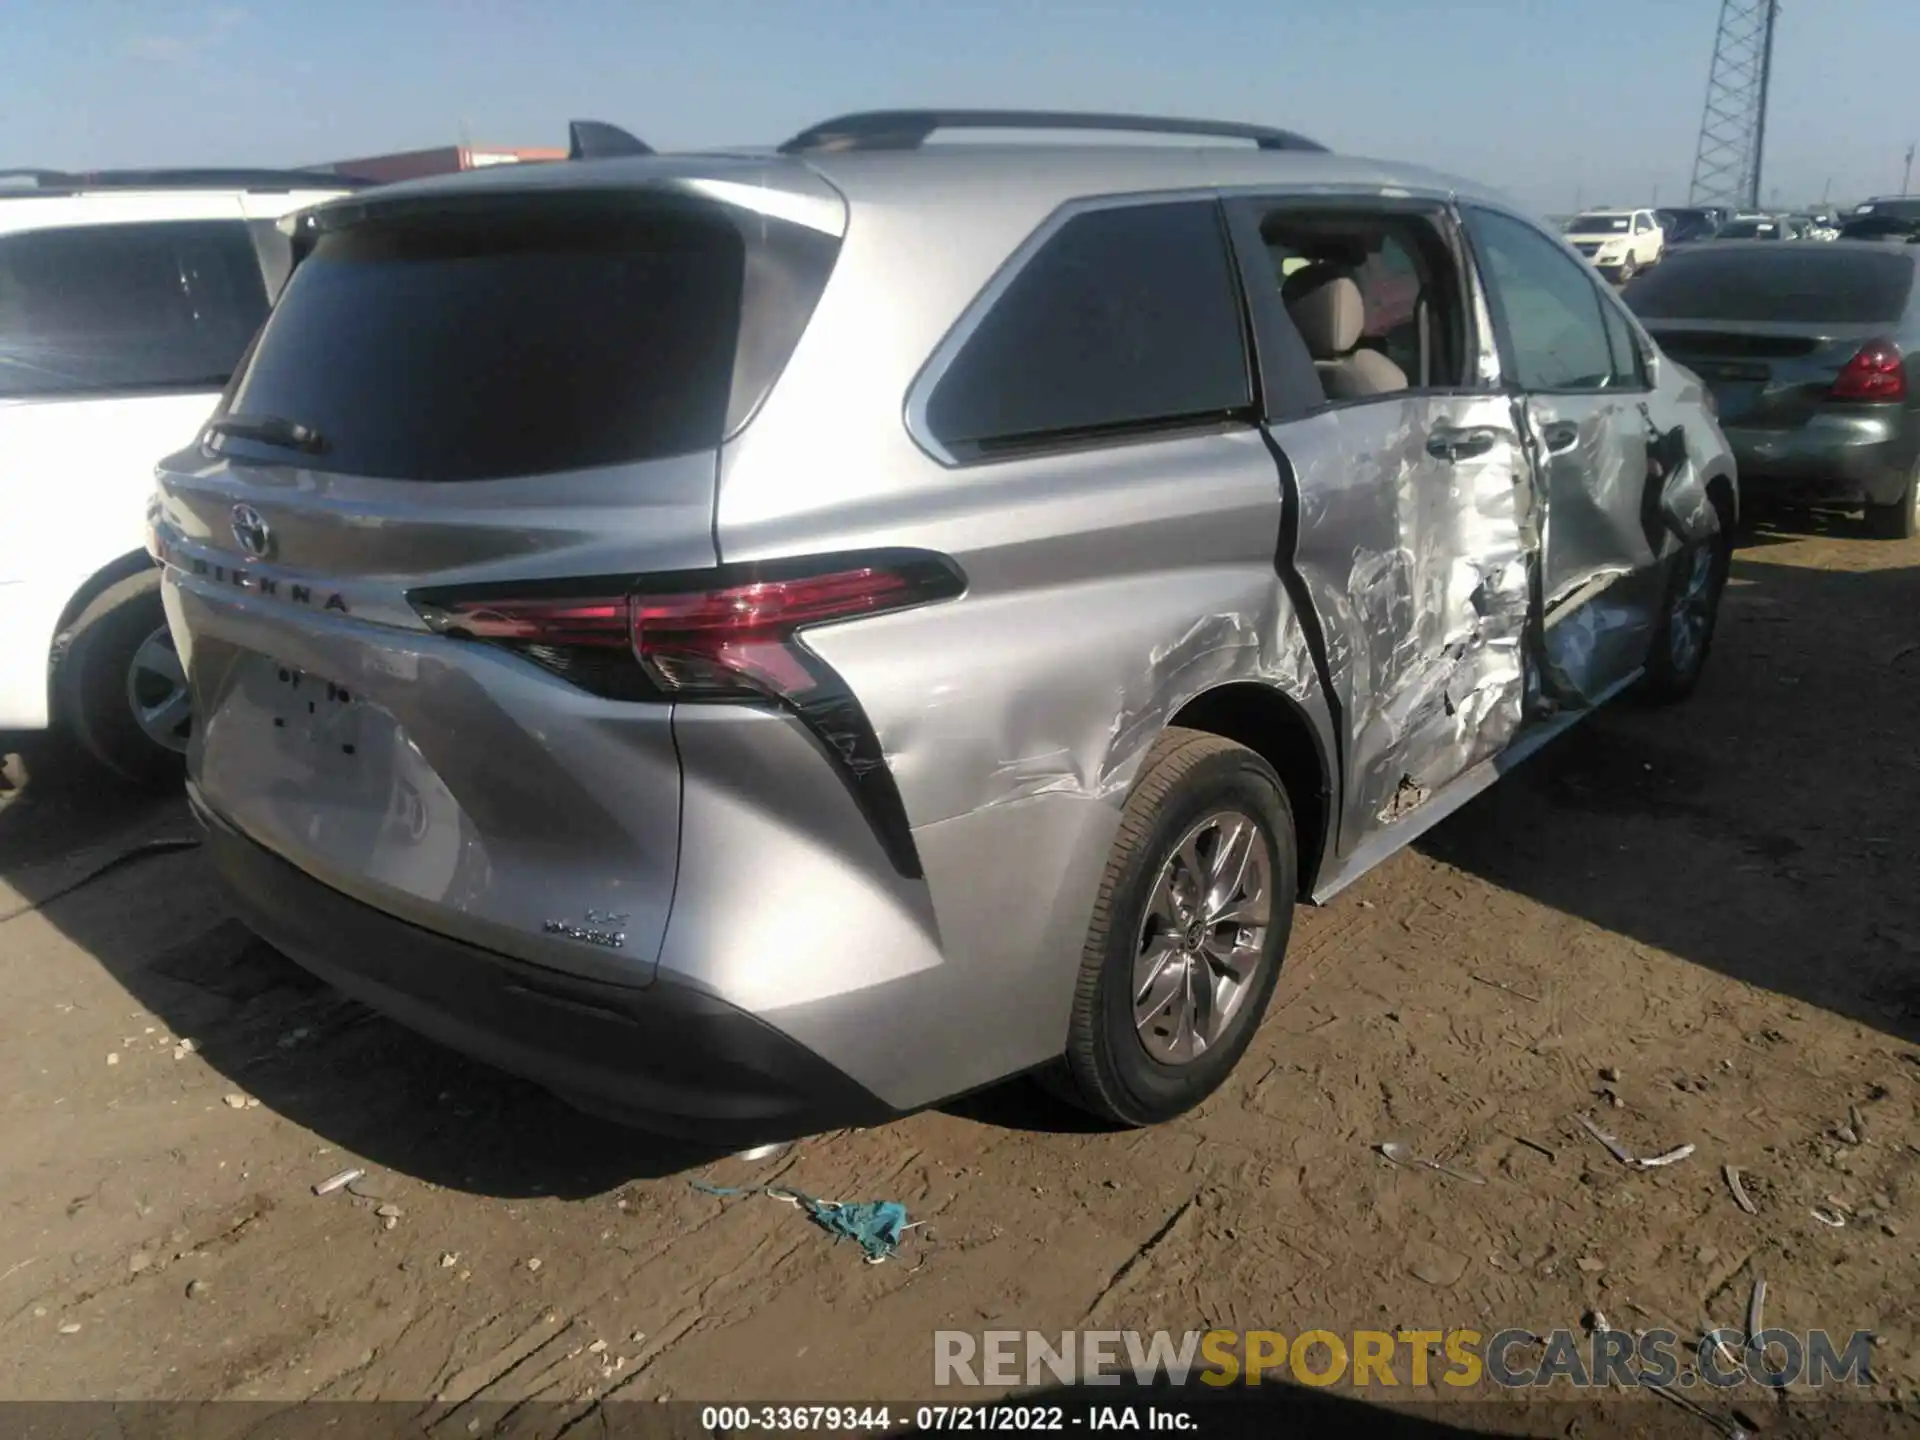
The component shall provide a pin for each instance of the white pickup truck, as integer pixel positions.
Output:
(1620, 243)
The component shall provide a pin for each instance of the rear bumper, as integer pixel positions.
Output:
(667, 1057)
(1836, 458)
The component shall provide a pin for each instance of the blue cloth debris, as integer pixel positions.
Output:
(878, 1225)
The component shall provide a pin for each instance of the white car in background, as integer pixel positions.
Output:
(126, 300)
(1620, 243)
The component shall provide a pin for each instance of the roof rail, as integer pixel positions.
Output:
(255, 179)
(597, 140)
(909, 129)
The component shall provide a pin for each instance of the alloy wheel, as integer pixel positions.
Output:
(157, 691)
(1690, 617)
(1202, 937)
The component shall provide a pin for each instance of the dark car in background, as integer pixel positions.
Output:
(1759, 227)
(1896, 218)
(1689, 225)
(1810, 352)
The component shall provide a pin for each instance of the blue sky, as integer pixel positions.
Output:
(1553, 100)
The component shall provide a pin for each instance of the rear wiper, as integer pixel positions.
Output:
(270, 430)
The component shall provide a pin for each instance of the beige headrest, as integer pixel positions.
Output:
(1330, 314)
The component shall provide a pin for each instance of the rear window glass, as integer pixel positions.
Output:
(96, 309)
(1126, 319)
(481, 346)
(1793, 285)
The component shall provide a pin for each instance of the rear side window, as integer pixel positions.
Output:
(104, 309)
(482, 345)
(1126, 320)
(1814, 285)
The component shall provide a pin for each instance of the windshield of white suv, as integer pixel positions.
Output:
(105, 309)
(1600, 225)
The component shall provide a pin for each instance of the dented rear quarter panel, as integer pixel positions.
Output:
(1106, 589)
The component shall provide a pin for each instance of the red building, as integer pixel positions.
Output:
(446, 160)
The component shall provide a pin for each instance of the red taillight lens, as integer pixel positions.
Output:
(1878, 372)
(536, 621)
(714, 641)
(720, 641)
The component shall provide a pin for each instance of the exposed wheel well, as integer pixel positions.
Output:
(1275, 729)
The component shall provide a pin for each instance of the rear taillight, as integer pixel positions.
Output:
(722, 635)
(730, 634)
(1878, 372)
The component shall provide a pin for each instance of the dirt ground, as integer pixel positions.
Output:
(1699, 925)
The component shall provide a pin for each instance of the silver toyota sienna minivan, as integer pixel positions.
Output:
(758, 642)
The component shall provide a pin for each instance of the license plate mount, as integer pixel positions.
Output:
(311, 711)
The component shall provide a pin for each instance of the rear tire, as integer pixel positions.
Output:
(1155, 949)
(116, 660)
(1899, 521)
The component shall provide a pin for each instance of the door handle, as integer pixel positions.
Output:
(1561, 435)
(1456, 445)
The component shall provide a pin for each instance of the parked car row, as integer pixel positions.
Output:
(1624, 242)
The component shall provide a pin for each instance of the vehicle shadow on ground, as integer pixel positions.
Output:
(359, 1082)
(1763, 829)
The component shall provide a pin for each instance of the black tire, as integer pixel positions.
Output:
(92, 682)
(1669, 678)
(1106, 1069)
(1628, 269)
(1900, 521)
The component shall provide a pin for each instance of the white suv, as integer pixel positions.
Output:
(126, 300)
(1620, 243)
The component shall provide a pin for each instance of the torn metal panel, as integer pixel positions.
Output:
(1598, 635)
(1417, 554)
(1601, 577)
(1680, 460)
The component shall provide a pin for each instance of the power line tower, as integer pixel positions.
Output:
(1733, 127)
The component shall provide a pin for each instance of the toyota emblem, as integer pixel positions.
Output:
(250, 532)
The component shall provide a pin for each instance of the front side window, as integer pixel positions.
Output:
(1126, 320)
(110, 309)
(1546, 304)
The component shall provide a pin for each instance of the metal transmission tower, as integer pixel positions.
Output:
(1733, 128)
